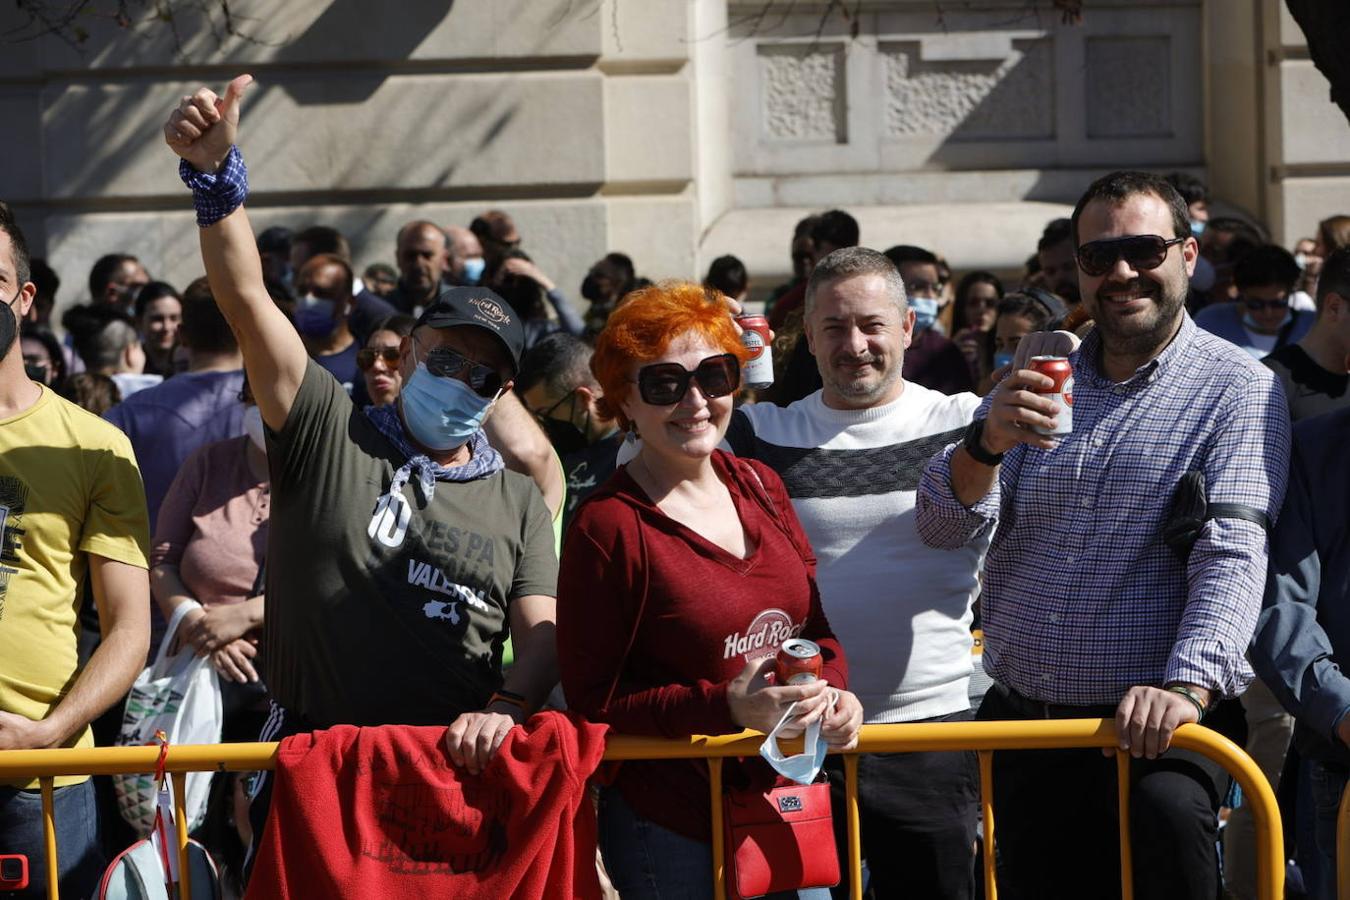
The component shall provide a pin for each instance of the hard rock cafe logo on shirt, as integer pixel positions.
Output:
(768, 630)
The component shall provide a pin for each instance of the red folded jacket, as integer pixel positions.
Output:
(382, 812)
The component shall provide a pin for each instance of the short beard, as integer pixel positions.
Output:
(1155, 336)
(861, 395)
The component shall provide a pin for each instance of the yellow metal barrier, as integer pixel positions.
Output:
(983, 737)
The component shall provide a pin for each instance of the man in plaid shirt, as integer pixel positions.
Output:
(1086, 611)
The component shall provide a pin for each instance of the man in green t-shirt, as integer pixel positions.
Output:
(402, 554)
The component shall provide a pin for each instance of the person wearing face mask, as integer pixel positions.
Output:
(465, 265)
(43, 360)
(73, 535)
(1019, 314)
(1261, 320)
(931, 359)
(558, 387)
(1314, 370)
(323, 289)
(404, 550)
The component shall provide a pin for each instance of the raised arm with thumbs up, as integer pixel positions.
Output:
(202, 131)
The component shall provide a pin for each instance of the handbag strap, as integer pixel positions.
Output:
(180, 612)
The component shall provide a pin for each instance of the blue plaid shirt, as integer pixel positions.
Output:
(1082, 599)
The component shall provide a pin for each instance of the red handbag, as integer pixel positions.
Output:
(780, 840)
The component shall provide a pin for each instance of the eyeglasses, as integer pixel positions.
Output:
(446, 363)
(1142, 252)
(924, 286)
(366, 356)
(665, 384)
(1258, 305)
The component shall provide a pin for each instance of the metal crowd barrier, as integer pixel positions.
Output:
(983, 737)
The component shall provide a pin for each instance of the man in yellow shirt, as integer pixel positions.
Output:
(71, 504)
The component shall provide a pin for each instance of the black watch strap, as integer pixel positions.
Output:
(976, 449)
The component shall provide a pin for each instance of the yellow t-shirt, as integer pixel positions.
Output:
(69, 486)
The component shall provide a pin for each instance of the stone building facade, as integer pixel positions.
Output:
(673, 130)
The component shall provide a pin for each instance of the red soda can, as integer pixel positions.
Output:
(758, 372)
(798, 662)
(1057, 368)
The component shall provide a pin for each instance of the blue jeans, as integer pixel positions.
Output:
(1319, 797)
(648, 862)
(78, 856)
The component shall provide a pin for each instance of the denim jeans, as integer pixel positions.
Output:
(648, 862)
(1319, 798)
(78, 856)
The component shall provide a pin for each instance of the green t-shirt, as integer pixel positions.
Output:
(370, 623)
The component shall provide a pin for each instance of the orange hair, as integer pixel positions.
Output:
(641, 328)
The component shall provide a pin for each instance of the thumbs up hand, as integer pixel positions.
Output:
(202, 128)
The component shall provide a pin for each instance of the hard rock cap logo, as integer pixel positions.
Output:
(490, 312)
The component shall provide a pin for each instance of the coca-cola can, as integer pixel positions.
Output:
(758, 372)
(798, 662)
(1058, 369)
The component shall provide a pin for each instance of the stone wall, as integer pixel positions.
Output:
(577, 116)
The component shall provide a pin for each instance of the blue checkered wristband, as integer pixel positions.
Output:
(216, 196)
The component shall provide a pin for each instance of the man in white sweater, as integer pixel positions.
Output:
(851, 455)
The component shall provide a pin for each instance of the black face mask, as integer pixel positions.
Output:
(36, 373)
(9, 328)
(564, 436)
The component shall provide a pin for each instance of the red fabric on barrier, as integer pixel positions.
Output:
(382, 812)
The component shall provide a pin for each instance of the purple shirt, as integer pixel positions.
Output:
(170, 420)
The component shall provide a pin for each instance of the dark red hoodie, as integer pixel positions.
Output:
(706, 614)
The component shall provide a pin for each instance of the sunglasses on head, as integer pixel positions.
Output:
(1257, 305)
(446, 363)
(365, 357)
(1141, 252)
(665, 384)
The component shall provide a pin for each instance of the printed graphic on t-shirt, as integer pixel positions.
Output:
(762, 638)
(13, 501)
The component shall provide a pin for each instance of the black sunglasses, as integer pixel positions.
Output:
(1258, 305)
(366, 356)
(1142, 252)
(665, 384)
(446, 363)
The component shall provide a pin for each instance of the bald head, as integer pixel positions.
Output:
(465, 258)
(421, 259)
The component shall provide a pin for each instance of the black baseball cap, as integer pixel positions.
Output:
(478, 306)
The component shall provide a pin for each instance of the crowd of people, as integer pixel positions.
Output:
(431, 493)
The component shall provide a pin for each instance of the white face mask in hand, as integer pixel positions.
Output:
(805, 766)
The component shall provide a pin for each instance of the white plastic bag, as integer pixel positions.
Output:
(180, 696)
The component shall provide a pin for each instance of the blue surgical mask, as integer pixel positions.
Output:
(925, 312)
(1301, 260)
(1249, 322)
(1002, 359)
(1197, 228)
(805, 766)
(442, 413)
(473, 269)
(314, 316)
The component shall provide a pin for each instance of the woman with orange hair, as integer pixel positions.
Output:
(680, 578)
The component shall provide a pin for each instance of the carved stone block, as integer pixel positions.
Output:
(1008, 97)
(802, 91)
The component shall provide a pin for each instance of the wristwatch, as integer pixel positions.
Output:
(975, 448)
